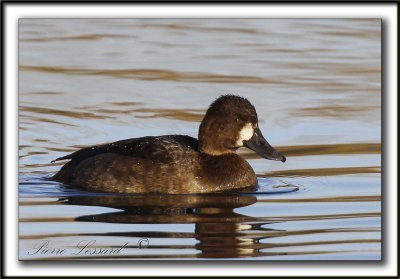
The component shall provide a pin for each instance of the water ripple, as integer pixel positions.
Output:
(150, 74)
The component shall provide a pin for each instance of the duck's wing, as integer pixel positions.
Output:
(163, 149)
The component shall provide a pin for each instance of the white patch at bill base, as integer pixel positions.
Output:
(245, 134)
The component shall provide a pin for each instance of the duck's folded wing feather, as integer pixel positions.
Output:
(162, 149)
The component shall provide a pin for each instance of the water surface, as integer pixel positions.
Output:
(316, 85)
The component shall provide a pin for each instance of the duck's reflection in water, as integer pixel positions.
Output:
(221, 233)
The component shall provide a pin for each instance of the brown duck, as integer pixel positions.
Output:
(176, 164)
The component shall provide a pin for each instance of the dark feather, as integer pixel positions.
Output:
(152, 148)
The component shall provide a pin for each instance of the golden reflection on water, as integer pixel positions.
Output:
(192, 115)
(322, 172)
(52, 112)
(199, 28)
(322, 149)
(349, 112)
(150, 74)
(88, 37)
(220, 232)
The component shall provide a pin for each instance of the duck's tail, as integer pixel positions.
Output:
(64, 174)
(67, 157)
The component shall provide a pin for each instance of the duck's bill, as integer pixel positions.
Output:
(260, 145)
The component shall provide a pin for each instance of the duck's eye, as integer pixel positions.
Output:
(240, 119)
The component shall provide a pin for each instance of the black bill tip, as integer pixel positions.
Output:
(260, 145)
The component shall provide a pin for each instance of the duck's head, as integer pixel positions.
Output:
(231, 122)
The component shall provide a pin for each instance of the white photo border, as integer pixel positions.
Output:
(12, 11)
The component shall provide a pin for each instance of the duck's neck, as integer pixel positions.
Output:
(213, 150)
(212, 143)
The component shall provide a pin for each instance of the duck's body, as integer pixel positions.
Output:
(175, 163)
(166, 164)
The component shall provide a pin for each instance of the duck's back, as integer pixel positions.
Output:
(141, 165)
